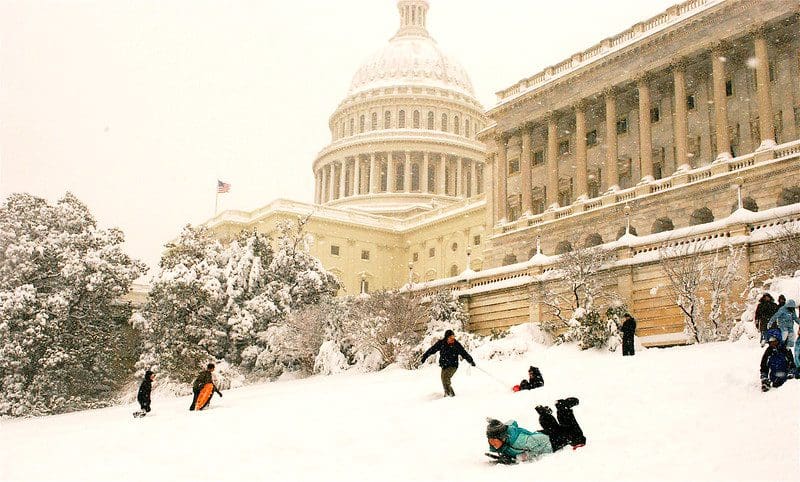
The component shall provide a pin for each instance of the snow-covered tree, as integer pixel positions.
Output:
(783, 250)
(445, 312)
(61, 279)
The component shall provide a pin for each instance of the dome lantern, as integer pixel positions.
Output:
(412, 18)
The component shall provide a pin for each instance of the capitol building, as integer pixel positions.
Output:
(652, 132)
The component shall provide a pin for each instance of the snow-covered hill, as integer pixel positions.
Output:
(688, 413)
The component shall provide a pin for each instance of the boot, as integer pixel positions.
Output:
(567, 402)
(544, 410)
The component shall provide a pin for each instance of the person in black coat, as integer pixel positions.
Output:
(535, 379)
(449, 349)
(766, 308)
(777, 364)
(628, 330)
(143, 397)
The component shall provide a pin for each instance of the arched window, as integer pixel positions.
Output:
(701, 216)
(361, 124)
(444, 122)
(621, 231)
(456, 125)
(663, 224)
(430, 121)
(593, 240)
(454, 270)
(509, 259)
(401, 119)
(416, 119)
(374, 121)
(563, 247)
(387, 120)
(789, 195)
(466, 127)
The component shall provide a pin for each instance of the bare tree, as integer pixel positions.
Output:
(784, 250)
(691, 276)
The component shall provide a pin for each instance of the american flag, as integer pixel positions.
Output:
(222, 187)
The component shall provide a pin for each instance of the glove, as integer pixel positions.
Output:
(473, 363)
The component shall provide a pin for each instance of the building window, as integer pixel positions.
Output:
(365, 255)
(416, 119)
(476, 240)
(430, 121)
(690, 102)
(401, 119)
(454, 247)
(655, 115)
(415, 257)
(454, 270)
(456, 125)
(538, 158)
(361, 124)
(431, 252)
(513, 166)
(352, 126)
(622, 126)
(387, 119)
(374, 121)
(728, 88)
(334, 250)
(772, 72)
(563, 147)
(444, 122)
(466, 127)
(591, 138)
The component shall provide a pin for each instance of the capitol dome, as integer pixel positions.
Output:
(411, 59)
(404, 139)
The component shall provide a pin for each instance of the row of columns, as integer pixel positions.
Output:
(335, 173)
(680, 131)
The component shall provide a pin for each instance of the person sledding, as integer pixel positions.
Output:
(535, 380)
(449, 350)
(509, 443)
(143, 397)
(204, 378)
(777, 363)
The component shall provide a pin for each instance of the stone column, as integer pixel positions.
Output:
(374, 175)
(459, 177)
(502, 178)
(423, 182)
(645, 134)
(473, 172)
(612, 176)
(356, 176)
(720, 103)
(525, 168)
(407, 173)
(441, 178)
(552, 161)
(581, 164)
(765, 124)
(680, 128)
(390, 172)
(343, 179)
(331, 181)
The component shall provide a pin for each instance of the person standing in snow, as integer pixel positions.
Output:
(628, 331)
(776, 364)
(201, 380)
(515, 444)
(786, 318)
(143, 397)
(535, 379)
(766, 308)
(449, 350)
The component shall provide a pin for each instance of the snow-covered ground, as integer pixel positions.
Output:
(687, 413)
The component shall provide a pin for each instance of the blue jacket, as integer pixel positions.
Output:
(776, 360)
(523, 444)
(785, 317)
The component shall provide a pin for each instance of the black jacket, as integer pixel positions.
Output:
(448, 354)
(629, 327)
(764, 312)
(777, 358)
(144, 389)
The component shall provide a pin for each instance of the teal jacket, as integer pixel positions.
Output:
(523, 444)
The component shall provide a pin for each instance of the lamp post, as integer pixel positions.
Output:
(469, 258)
(737, 183)
(410, 274)
(363, 282)
(627, 211)
(538, 244)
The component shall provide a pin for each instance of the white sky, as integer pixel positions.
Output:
(138, 107)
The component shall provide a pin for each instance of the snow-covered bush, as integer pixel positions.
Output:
(63, 337)
(590, 329)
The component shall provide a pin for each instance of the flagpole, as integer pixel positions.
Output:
(216, 200)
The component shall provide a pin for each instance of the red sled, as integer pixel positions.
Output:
(515, 388)
(204, 396)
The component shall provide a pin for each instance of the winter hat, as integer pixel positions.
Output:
(147, 374)
(449, 333)
(496, 429)
(791, 304)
